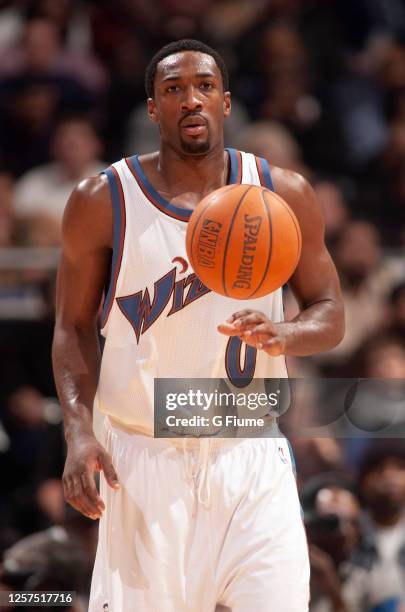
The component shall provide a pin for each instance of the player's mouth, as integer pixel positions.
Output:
(193, 125)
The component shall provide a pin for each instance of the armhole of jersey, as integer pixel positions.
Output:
(235, 166)
(263, 170)
(119, 222)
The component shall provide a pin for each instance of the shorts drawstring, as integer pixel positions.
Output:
(201, 470)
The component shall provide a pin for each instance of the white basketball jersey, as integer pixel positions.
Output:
(159, 320)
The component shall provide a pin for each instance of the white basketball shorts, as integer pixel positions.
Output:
(200, 524)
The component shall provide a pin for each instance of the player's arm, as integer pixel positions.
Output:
(82, 274)
(319, 326)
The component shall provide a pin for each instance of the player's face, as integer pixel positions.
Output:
(189, 103)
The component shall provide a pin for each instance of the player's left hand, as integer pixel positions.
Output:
(256, 329)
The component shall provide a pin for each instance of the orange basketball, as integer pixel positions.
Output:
(243, 241)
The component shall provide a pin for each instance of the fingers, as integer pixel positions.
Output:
(248, 320)
(76, 496)
(240, 313)
(90, 490)
(241, 321)
(256, 330)
(80, 488)
(244, 320)
(258, 333)
(109, 471)
(228, 329)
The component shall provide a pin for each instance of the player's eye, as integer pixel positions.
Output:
(172, 89)
(207, 85)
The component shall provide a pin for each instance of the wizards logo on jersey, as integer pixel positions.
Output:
(141, 312)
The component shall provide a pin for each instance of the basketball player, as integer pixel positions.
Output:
(214, 522)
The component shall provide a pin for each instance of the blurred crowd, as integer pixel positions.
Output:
(318, 87)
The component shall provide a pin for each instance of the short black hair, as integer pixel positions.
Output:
(185, 44)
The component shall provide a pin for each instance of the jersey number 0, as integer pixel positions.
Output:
(239, 376)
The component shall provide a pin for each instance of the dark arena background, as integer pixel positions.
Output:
(318, 86)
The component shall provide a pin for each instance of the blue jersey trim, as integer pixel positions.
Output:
(183, 214)
(117, 199)
(265, 168)
(179, 213)
(235, 173)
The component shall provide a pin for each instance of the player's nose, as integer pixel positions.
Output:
(191, 100)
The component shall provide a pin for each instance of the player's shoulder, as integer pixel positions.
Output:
(90, 196)
(92, 189)
(89, 211)
(297, 191)
(292, 185)
(288, 180)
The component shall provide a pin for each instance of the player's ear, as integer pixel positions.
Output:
(152, 112)
(227, 103)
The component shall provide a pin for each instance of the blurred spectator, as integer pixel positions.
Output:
(377, 573)
(332, 519)
(316, 455)
(36, 52)
(381, 356)
(396, 312)
(389, 185)
(184, 18)
(31, 463)
(127, 62)
(229, 19)
(72, 19)
(44, 191)
(376, 404)
(6, 209)
(275, 143)
(11, 22)
(334, 206)
(41, 52)
(367, 277)
(46, 561)
(23, 287)
(281, 66)
(359, 103)
(38, 229)
(33, 91)
(27, 111)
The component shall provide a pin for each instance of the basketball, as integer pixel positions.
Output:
(243, 241)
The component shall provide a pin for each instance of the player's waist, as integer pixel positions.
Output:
(188, 442)
(182, 442)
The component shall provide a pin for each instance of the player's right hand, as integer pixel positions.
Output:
(86, 456)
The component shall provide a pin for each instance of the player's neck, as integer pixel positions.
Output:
(198, 174)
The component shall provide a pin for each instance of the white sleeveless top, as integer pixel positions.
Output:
(159, 320)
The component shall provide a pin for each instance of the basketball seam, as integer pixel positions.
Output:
(267, 207)
(232, 186)
(229, 237)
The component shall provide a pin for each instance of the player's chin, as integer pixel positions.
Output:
(195, 146)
